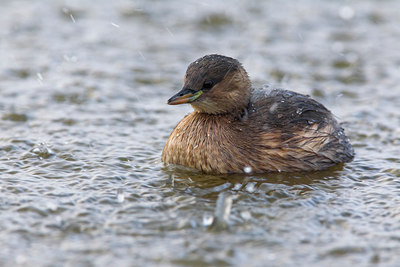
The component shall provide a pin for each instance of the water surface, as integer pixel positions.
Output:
(83, 121)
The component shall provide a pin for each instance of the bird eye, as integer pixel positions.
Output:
(208, 84)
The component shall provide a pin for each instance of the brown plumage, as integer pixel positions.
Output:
(235, 126)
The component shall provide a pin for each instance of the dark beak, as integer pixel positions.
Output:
(185, 95)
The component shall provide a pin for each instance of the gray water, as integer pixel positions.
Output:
(83, 120)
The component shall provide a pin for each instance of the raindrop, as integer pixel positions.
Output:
(115, 25)
(207, 220)
(301, 37)
(274, 106)
(247, 169)
(166, 28)
(72, 18)
(223, 209)
(70, 59)
(120, 195)
(298, 111)
(252, 109)
(287, 94)
(39, 77)
(141, 54)
(346, 13)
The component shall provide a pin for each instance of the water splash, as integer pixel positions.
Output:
(43, 151)
(223, 209)
(251, 187)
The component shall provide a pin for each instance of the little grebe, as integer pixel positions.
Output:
(235, 128)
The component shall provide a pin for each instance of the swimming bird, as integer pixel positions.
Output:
(236, 128)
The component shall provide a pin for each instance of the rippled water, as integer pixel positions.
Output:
(83, 121)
